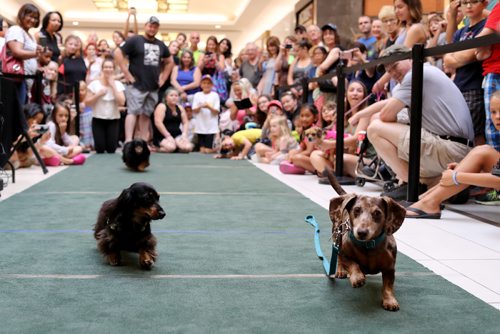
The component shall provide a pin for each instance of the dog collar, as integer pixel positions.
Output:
(368, 244)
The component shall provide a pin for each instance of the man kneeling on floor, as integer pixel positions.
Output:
(447, 132)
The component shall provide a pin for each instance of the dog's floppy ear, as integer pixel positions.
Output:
(394, 215)
(338, 205)
(126, 198)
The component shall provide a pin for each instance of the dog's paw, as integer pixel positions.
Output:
(147, 259)
(147, 264)
(390, 304)
(341, 273)
(357, 280)
(114, 259)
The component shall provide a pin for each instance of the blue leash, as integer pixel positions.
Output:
(329, 267)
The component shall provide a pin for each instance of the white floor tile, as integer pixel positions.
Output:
(484, 272)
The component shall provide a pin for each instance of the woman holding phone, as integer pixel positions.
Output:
(48, 36)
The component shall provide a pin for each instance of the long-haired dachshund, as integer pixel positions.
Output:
(123, 223)
(363, 227)
(135, 155)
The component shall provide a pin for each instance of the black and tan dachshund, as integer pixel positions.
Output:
(123, 224)
(135, 155)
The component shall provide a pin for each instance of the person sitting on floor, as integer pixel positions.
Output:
(474, 169)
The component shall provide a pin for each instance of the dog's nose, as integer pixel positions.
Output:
(362, 233)
(161, 214)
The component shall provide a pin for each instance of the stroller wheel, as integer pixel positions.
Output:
(388, 186)
(360, 182)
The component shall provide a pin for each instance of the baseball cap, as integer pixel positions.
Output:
(187, 105)
(207, 77)
(329, 26)
(391, 50)
(153, 20)
(275, 103)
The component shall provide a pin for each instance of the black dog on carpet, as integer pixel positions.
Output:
(135, 155)
(123, 223)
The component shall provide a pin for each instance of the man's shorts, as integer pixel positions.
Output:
(475, 102)
(140, 103)
(435, 153)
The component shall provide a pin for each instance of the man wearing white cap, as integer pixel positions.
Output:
(150, 64)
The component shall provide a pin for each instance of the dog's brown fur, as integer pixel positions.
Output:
(316, 136)
(123, 223)
(369, 217)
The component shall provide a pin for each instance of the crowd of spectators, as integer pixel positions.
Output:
(259, 103)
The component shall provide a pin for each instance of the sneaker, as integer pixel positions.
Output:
(383, 172)
(490, 198)
(399, 193)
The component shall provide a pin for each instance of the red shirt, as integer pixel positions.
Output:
(492, 64)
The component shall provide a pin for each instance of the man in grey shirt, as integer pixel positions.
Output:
(250, 68)
(447, 132)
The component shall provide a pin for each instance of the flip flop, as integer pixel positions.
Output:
(422, 214)
(405, 204)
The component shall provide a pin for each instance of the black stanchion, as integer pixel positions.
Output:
(339, 155)
(76, 95)
(418, 59)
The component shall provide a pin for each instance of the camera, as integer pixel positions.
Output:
(288, 46)
(41, 128)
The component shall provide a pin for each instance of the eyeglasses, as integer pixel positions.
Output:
(470, 2)
(386, 21)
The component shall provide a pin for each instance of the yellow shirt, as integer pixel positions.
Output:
(252, 135)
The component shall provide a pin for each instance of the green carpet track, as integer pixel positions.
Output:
(235, 257)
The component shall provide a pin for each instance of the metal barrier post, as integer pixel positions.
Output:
(76, 95)
(339, 155)
(305, 90)
(37, 98)
(415, 121)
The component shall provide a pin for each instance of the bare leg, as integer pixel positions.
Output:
(144, 128)
(480, 159)
(130, 121)
(385, 137)
(319, 162)
(301, 160)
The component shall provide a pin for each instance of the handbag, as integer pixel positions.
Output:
(10, 64)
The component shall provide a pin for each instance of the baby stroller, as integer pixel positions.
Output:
(375, 170)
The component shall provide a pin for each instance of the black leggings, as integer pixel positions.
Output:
(105, 133)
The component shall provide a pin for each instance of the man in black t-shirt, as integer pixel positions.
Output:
(150, 64)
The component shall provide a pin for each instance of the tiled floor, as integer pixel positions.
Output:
(464, 251)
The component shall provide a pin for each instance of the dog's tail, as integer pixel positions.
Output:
(334, 183)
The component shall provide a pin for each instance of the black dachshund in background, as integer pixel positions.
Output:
(136, 155)
(123, 223)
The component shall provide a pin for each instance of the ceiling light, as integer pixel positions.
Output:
(218, 26)
(75, 23)
(160, 6)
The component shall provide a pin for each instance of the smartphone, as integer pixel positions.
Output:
(43, 41)
(288, 46)
(346, 55)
